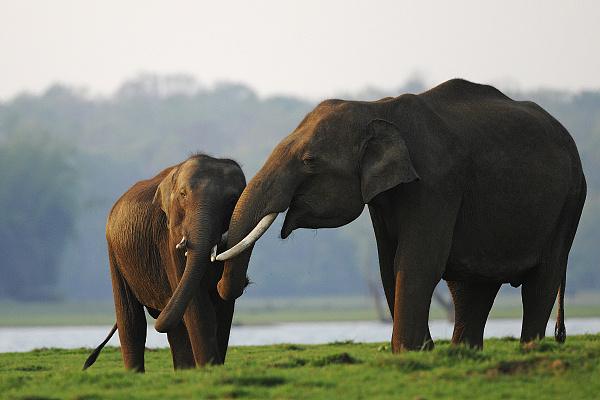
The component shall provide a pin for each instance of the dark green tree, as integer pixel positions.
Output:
(38, 186)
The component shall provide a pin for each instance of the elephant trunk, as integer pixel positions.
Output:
(200, 241)
(233, 281)
(254, 213)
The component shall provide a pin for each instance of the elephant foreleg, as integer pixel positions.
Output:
(224, 310)
(386, 249)
(201, 323)
(425, 224)
(181, 348)
(411, 312)
(472, 305)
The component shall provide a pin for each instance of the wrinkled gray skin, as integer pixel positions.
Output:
(194, 199)
(462, 183)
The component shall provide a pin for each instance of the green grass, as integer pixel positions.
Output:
(503, 370)
(264, 311)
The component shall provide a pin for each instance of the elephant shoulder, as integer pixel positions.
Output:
(462, 91)
(436, 148)
(135, 207)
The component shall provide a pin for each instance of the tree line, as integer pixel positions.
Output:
(66, 156)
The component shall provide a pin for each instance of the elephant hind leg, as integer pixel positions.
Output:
(472, 304)
(131, 320)
(548, 279)
(538, 294)
(181, 348)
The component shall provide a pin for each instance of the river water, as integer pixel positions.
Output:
(28, 338)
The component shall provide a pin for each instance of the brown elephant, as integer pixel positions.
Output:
(462, 183)
(160, 234)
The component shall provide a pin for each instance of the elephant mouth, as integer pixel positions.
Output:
(296, 209)
(301, 217)
(288, 224)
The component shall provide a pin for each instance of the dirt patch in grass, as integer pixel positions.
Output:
(31, 368)
(290, 363)
(512, 367)
(88, 397)
(462, 352)
(340, 358)
(341, 343)
(292, 347)
(517, 367)
(402, 364)
(539, 347)
(333, 359)
(266, 381)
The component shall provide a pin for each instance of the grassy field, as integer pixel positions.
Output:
(264, 311)
(503, 370)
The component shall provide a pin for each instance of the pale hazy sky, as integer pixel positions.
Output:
(307, 47)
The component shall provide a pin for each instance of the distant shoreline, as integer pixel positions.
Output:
(253, 311)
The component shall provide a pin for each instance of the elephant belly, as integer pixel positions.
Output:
(148, 280)
(501, 249)
(514, 193)
(500, 235)
(132, 239)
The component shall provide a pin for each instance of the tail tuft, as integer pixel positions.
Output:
(560, 331)
(92, 358)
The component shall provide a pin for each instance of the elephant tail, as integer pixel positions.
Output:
(92, 358)
(560, 332)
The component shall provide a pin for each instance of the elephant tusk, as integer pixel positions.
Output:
(185, 254)
(213, 252)
(252, 237)
(182, 244)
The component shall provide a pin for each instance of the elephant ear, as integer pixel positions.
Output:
(164, 192)
(385, 160)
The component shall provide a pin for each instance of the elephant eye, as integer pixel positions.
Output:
(183, 194)
(310, 163)
(308, 159)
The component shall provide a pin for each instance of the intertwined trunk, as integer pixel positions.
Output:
(244, 219)
(201, 237)
(270, 191)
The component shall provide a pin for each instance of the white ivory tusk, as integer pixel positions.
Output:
(213, 252)
(181, 244)
(252, 237)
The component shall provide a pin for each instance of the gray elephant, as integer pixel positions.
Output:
(160, 234)
(462, 183)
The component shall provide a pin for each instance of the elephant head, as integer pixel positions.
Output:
(197, 197)
(339, 158)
